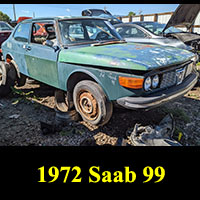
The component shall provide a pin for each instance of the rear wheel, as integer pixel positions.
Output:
(7, 74)
(91, 103)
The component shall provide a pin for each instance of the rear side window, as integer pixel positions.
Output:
(22, 33)
(129, 32)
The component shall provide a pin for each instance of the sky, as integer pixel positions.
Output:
(46, 10)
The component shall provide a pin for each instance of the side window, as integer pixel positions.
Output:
(22, 33)
(135, 32)
(41, 32)
(129, 31)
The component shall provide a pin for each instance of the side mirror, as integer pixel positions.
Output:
(49, 43)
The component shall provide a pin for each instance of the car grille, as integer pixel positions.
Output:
(170, 78)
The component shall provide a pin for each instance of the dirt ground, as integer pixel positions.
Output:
(23, 110)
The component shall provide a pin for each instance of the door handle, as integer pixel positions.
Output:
(28, 48)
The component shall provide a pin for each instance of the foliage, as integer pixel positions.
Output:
(4, 17)
(131, 14)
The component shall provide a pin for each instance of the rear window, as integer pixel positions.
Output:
(22, 33)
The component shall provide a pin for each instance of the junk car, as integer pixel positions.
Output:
(91, 67)
(165, 34)
(101, 13)
(5, 31)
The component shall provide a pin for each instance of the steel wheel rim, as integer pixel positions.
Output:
(88, 105)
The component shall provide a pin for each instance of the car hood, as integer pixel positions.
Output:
(125, 56)
(185, 15)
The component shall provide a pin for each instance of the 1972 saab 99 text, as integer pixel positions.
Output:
(91, 66)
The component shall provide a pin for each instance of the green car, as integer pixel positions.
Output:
(91, 66)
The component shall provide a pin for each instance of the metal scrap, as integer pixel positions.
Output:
(161, 135)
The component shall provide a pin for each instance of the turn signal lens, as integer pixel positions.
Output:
(129, 82)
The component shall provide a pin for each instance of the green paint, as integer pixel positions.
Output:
(127, 56)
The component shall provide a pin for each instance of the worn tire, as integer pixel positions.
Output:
(91, 103)
(63, 101)
(7, 74)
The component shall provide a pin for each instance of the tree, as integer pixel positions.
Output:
(4, 17)
(131, 14)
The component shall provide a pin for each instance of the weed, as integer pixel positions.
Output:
(177, 113)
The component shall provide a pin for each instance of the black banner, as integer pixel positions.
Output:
(116, 166)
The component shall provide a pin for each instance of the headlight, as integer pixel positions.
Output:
(147, 84)
(155, 81)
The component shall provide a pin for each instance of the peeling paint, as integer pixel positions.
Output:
(126, 56)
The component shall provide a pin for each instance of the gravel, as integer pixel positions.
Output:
(23, 110)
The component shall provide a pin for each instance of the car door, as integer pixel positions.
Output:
(17, 44)
(41, 60)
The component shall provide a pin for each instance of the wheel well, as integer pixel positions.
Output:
(75, 78)
(10, 60)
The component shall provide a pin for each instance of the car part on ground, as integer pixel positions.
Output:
(160, 135)
(63, 101)
(62, 119)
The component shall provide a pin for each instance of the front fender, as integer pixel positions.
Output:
(108, 80)
(90, 74)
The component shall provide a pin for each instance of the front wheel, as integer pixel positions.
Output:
(91, 103)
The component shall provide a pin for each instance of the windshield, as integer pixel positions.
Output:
(5, 27)
(84, 31)
(157, 28)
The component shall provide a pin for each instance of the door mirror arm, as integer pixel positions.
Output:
(49, 43)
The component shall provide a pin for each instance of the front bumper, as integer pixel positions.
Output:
(160, 97)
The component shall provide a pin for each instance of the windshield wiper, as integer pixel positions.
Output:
(108, 43)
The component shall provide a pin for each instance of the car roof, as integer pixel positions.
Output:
(140, 22)
(61, 18)
(97, 10)
(3, 22)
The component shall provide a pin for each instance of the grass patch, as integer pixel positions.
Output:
(178, 113)
(24, 96)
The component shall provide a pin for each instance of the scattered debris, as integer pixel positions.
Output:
(47, 128)
(161, 135)
(27, 128)
(15, 116)
(61, 120)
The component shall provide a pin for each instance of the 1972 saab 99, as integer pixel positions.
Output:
(92, 66)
